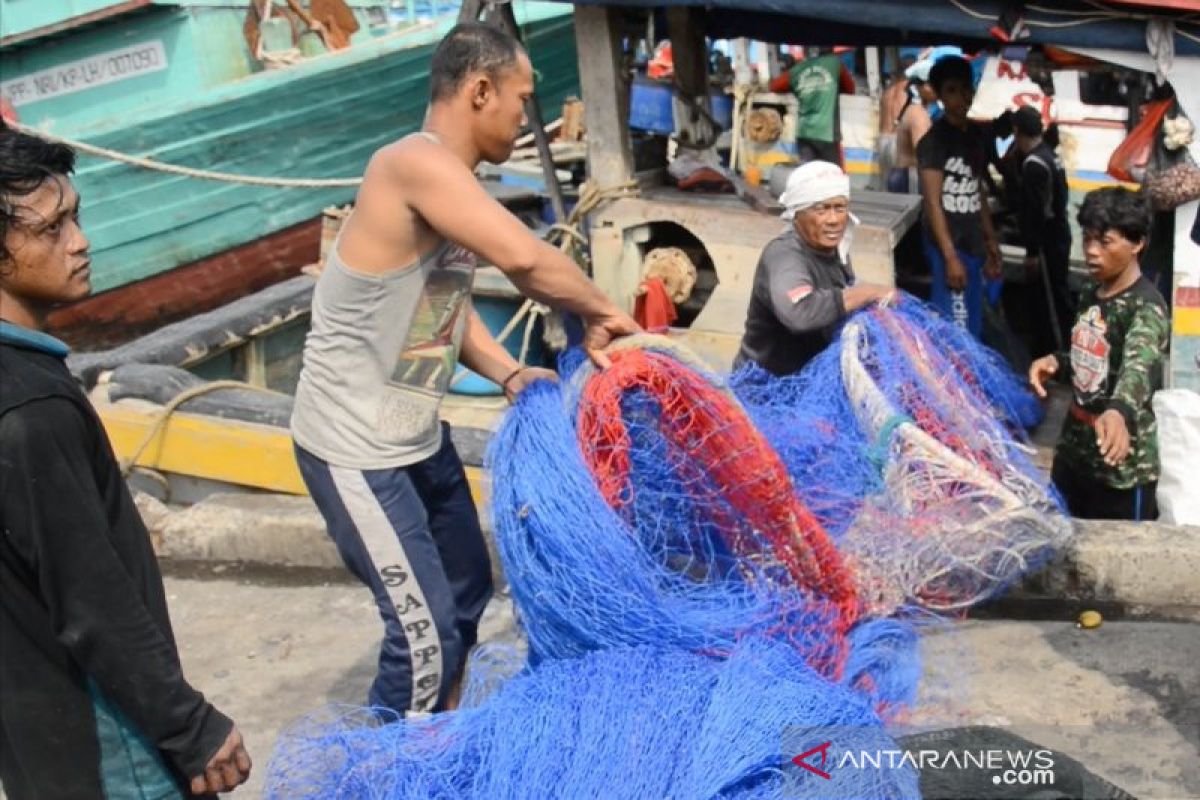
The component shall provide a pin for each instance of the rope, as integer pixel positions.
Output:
(741, 105)
(189, 172)
(277, 59)
(879, 452)
(590, 197)
(160, 421)
(568, 230)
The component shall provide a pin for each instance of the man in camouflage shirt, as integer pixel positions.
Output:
(1106, 463)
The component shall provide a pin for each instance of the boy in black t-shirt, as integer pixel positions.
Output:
(960, 242)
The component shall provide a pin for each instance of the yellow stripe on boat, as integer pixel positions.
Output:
(1186, 321)
(231, 451)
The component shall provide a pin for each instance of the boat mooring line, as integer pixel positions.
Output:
(189, 172)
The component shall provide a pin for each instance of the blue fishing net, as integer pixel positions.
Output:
(673, 648)
(624, 722)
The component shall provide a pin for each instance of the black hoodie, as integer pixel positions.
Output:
(93, 702)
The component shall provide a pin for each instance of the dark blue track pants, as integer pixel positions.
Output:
(412, 535)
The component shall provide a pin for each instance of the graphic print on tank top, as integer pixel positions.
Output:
(429, 356)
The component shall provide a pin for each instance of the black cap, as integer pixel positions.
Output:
(1028, 121)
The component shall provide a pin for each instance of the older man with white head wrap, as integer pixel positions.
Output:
(804, 284)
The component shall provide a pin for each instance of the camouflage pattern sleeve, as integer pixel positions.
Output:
(1142, 358)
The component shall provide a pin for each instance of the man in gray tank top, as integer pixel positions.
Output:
(391, 318)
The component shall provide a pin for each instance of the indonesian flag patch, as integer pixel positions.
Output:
(799, 293)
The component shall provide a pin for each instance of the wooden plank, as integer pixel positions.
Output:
(232, 451)
(79, 21)
(874, 83)
(774, 63)
(605, 94)
(469, 10)
(756, 197)
(689, 50)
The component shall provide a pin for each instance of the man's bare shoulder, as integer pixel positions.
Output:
(412, 158)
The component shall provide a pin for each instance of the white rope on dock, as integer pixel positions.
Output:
(189, 172)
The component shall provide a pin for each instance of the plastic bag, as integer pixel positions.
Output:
(1174, 186)
(653, 309)
(1129, 160)
(1178, 415)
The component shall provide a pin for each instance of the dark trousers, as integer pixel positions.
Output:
(902, 180)
(816, 150)
(1056, 253)
(412, 535)
(1092, 499)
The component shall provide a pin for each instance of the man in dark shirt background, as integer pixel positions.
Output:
(93, 702)
(804, 284)
(960, 242)
(1045, 230)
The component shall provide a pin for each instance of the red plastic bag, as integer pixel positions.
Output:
(662, 64)
(1130, 158)
(653, 309)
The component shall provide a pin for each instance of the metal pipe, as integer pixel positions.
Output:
(534, 114)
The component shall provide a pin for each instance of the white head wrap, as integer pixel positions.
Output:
(919, 71)
(812, 183)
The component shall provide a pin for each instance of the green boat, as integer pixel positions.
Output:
(177, 81)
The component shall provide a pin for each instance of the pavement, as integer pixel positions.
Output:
(272, 647)
(1128, 569)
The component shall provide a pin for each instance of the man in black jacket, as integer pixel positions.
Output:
(93, 702)
(1045, 231)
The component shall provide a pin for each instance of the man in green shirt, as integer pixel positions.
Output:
(816, 82)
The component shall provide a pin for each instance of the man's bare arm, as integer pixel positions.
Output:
(448, 197)
(985, 216)
(483, 354)
(920, 124)
(931, 190)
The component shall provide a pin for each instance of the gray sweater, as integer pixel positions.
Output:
(795, 305)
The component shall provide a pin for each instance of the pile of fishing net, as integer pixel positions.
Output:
(629, 722)
(640, 505)
(699, 564)
(906, 439)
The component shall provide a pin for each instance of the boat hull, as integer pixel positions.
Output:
(187, 239)
(112, 318)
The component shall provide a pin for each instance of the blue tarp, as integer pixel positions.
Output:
(896, 22)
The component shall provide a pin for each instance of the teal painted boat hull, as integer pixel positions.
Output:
(321, 118)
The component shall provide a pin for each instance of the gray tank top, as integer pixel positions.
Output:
(379, 358)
